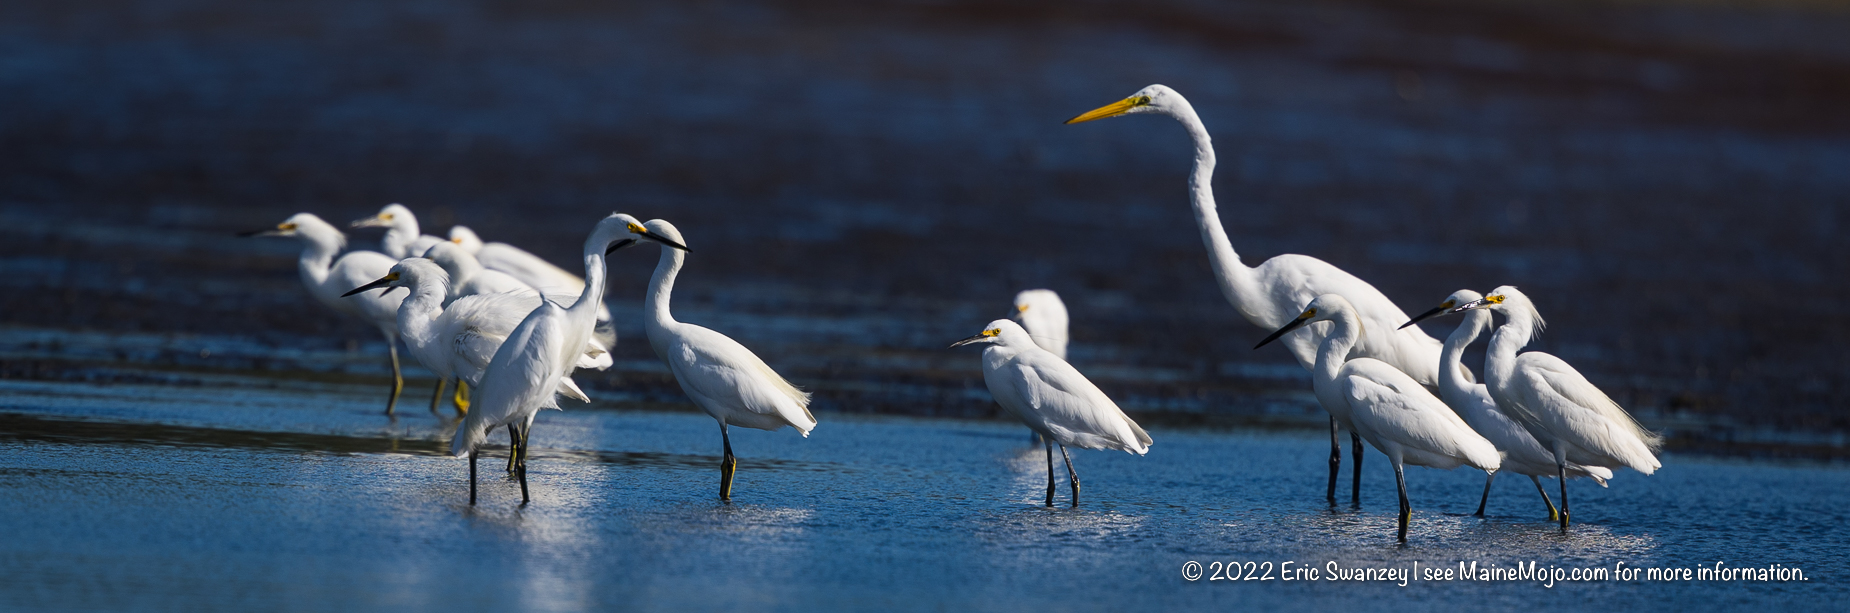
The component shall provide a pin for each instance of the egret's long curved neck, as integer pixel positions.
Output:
(318, 251)
(1452, 379)
(1334, 352)
(399, 235)
(1512, 336)
(661, 285)
(419, 309)
(585, 308)
(1233, 275)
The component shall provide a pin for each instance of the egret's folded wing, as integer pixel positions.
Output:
(1606, 428)
(521, 378)
(723, 370)
(1417, 419)
(1068, 401)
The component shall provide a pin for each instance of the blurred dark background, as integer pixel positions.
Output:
(865, 182)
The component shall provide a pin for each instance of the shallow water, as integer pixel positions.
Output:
(258, 493)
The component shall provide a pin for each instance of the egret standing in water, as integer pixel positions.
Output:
(1052, 398)
(326, 277)
(1472, 401)
(724, 378)
(1043, 315)
(529, 367)
(1391, 410)
(401, 239)
(1270, 294)
(1565, 412)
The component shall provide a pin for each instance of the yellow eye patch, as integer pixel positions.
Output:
(285, 226)
(638, 229)
(1140, 101)
(1308, 313)
(1449, 304)
(992, 332)
(1494, 299)
(385, 216)
(1021, 307)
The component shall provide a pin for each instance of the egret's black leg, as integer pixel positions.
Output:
(1355, 483)
(1491, 476)
(513, 448)
(1336, 460)
(520, 467)
(436, 400)
(1562, 469)
(1072, 476)
(1049, 443)
(472, 454)
(398, 378)
(1553, 515)
(728, 466)
(1406, 509)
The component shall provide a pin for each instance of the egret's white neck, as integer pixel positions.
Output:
(661, 285)
(399, 235)
(1512, 336)
(420, 308)
(1235, 278)
(318, 251)
(1345, 332)
(1453, 386)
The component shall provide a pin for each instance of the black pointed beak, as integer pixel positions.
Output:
(255, 232)
(974, 339)
(1295, 324)
(382, 282)
(665, 241)
(614, 246)
(1434, 312)
(1475, 304)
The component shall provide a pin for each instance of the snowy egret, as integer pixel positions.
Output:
(528, 368)
(326, 277)
(1043, 315)
(466, 275)
(724, 378)
(457, 340)
(1555, 403)
(1390, 409)
(505, 259)
(1472, 401)
(1270, 294)
(1052, 398)
(401, 235)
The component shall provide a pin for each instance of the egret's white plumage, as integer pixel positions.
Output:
(1390, 409)
(466, 275)
(1272, 293)
(1521, 453)
(1043, 315)
(721, 376)
(402, 238)
(1563, 411)
(528, 367)
(1051, 396)
(502, 260)
(326, 276)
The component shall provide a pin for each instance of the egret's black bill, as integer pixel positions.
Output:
(619, 245)
(665, 241)
(1434, 312)
(257, 232)
(1295, 324)
(973, 339)
(382, 282)
(1475, 304)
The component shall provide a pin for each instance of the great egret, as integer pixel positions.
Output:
(1565, 412)
(1270, 294)
(724, 378)
(1041, 312)
(505, 259)
(457, 340)
(1390, 409)
(1472, 401)
(527, 369)
(1052, 398)
(401, 235)
(326, 277)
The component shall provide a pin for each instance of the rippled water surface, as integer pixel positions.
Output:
(253, 493)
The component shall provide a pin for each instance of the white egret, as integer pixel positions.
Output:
(1390, 409)
(1052, 398)
(527, 369)
(466, 275)
(505, 259)
(326, 277)
(1041, 312)
(1472, 401)
(1270, 294)
(1565, 412)
(402, 238)
(724, 378)
(457, 340)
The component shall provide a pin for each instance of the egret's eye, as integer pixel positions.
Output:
(1308, 313)
(992, 332)
(1494, 299)
(285, 226)
(1449, 304)
(638, 229)
(385, 216)
(392, 276)
(1140, 101)
(1021, 307)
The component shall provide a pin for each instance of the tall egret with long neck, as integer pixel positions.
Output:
(1387, 407)
(1051, 396)
(402, 238)
(1270, 294)
(502, 260)
(326, 277)
(1043, 315)
(1566, 413)
(1472, 401)
(724, 378)
(457, 340)
(528, 368)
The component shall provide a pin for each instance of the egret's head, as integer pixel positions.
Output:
(448, 256)
(406, 273)
(660, 231)
(1152, 99)
(463, 237)
(1511, 303)
(305, 225)
(1323, 308)
(1445, 308)
(999, 332)
(390, 216)
(1039, 306)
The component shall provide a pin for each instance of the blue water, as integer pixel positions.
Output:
(251, 493)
